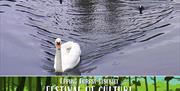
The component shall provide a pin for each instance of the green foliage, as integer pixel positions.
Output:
(138, 83)
(168, 78)
(21, 84)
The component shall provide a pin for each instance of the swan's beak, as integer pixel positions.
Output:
(58, 45)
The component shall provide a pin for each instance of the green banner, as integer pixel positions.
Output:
(91, 83)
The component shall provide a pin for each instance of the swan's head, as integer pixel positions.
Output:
(58, 43)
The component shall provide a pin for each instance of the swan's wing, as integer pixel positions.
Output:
(67, 44)
(65, 48)
(70, 54)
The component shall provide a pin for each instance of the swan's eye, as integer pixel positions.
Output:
(58, 43)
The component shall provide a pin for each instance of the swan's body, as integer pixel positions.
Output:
(67, 55)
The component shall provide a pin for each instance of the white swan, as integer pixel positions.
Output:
(67, 55)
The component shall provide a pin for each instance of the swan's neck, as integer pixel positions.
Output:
(58, 61)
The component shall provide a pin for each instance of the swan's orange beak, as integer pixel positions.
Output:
(58, 45)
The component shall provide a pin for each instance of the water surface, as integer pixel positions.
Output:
(104, 29)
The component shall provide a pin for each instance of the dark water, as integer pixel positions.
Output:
(99, 26)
